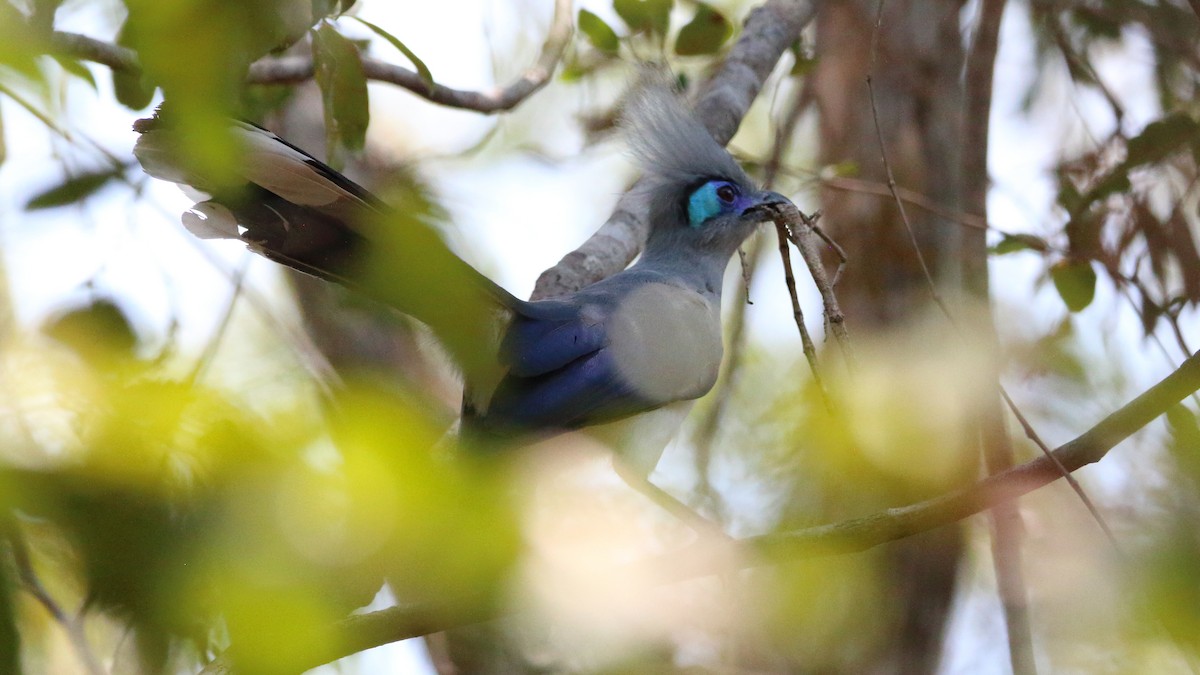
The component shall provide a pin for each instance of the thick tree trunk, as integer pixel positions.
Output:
(917, 86)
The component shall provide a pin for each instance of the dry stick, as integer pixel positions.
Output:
(364, 631)
(801, 228)
(810, 350)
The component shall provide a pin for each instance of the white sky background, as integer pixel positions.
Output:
(519, 213)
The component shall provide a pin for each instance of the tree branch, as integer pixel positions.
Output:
(294, 69)
(364, 631)
(723, 101)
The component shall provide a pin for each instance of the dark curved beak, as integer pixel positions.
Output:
(761, 203)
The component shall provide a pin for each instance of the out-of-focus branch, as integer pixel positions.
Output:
(365, 631)
(723, 101)
(90, 49)
(71, 625)
(1007, 526)
(293, 69)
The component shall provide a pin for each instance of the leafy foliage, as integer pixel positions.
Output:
(705, 33)
(599, 33)
(343, 84)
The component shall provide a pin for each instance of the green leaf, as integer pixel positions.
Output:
(804, 63)
(10, 638)
(1185, 439)
(132, 90)
(1162, 137)
(72, 190)
(422, 69)
(598, 33)
(704, 34)
(76, 68)
(1012, 243)
(339, 74)
(653, 16)
(1075, 281)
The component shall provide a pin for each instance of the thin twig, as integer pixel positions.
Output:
(800, 230)
(1033, 435)
(214, 342)
(71, 625)
(810, 350)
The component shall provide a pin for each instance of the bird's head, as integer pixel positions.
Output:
(698, 199)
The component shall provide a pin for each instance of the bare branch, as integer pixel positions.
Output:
(723, 101)
(90, 49)
(294, 69)
(801, 230)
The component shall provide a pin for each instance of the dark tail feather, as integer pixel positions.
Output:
(293, 209)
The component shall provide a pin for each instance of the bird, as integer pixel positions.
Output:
(645, 340)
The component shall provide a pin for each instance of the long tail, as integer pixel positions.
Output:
(292, 208)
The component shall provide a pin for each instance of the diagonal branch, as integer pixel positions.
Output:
(364, 631)
(723, 101)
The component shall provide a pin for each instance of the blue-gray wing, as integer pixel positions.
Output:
(561, 375)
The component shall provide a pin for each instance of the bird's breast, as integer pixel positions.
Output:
(666, 342)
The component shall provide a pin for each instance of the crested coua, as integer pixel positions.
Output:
(647, 338)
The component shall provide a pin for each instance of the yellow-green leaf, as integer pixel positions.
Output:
(343, 84)
(1011, 243)
(598, 33)
(704, 34)
(653, 16)
(418, 64)
(1075, 281)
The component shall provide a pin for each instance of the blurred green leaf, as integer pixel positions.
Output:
(422, 69)
(339, 74)
(653, 16)
(1012, 243)
(73, 189)
(1185, 440)
(1075, 281)
(600, 34)
(77, 69)
(198, 51)
(804, 62)
(705, 33)
(1161, 138)
(132, 89)
(10, 639)
(99, 332)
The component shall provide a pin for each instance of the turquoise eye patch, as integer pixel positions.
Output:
(705, 203)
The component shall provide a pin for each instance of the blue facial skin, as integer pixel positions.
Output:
(712, 199)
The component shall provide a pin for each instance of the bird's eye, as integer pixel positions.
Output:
(726, 193)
